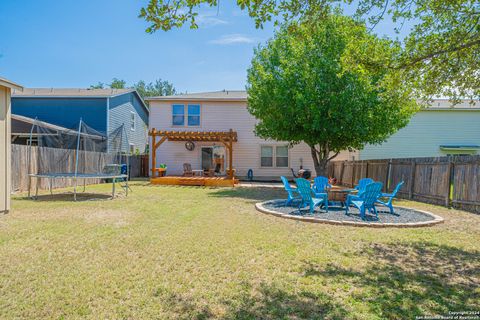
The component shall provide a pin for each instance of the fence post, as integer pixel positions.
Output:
(353, 173)
(450, 173)
(387, 175)
(412, 179)
(366, 170)
(341, 173)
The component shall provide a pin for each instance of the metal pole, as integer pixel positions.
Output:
(128, 166)
(76, 161)
(113, 188)
(29, 156)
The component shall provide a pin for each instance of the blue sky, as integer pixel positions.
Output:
(71, 43)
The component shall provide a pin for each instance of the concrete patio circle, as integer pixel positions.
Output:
(405, 217)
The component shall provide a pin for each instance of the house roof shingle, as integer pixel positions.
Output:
(224, 95)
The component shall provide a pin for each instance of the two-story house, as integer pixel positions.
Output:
(220, 112)
(104, 110)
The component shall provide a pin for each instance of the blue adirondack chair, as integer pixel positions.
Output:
(292, 192)
(389, 197)
(366, 199)
(303, 187)
(362, 183)
(320, 185)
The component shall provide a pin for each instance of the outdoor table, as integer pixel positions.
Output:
(198, 172)
(337, 194)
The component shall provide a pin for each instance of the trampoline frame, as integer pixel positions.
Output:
(77, 176)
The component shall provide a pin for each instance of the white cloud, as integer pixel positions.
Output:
(233, 39)
(209, 21)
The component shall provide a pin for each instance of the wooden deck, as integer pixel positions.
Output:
(194, 181)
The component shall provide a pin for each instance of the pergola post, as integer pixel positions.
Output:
(153, 150)
(230, 155)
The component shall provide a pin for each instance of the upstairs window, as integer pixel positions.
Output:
(194, 115)
(191, 114)
(132, 121)
(178, 115)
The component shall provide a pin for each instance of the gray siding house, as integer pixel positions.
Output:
(104, 110)
(439, 130)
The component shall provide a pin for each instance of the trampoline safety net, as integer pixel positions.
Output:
(80, 153)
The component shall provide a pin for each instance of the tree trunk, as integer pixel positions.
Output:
(320, 163)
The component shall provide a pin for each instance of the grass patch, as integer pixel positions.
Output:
(191, 252)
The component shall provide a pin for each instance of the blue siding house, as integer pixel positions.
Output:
(102, 109)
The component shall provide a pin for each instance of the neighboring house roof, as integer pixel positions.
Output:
(74, 93)
(9, 84)
(224, 95)
(71, 92)
(445, 104)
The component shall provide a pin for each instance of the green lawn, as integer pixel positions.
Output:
(190, 252)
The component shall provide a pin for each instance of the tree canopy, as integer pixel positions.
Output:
(328, 85)
(441, 54)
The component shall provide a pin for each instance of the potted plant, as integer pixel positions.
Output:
(163, 170)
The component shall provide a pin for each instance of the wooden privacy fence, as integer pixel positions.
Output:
(448, 181)
(51, 157)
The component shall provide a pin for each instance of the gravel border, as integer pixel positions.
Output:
(435, 218)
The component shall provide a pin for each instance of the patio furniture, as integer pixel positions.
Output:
(362, 183)
(305, 190)
(366, 199)
(198, 172)
(292, 192)
(209, 173)
(187, 170)
(390, 197)
(320, 186)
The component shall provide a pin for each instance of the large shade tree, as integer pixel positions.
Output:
(440, 55)
(327, 84)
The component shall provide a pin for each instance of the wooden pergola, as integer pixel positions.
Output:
(227, 138)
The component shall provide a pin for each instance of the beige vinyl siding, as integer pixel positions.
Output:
(426, 132)
(5, 152)
(223, 116)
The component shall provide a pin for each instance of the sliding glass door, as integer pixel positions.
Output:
(214, 158)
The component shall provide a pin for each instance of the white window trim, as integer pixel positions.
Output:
(133, 120)
(274, 156)
(185, 115)
(199, 115)
(288, 156)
